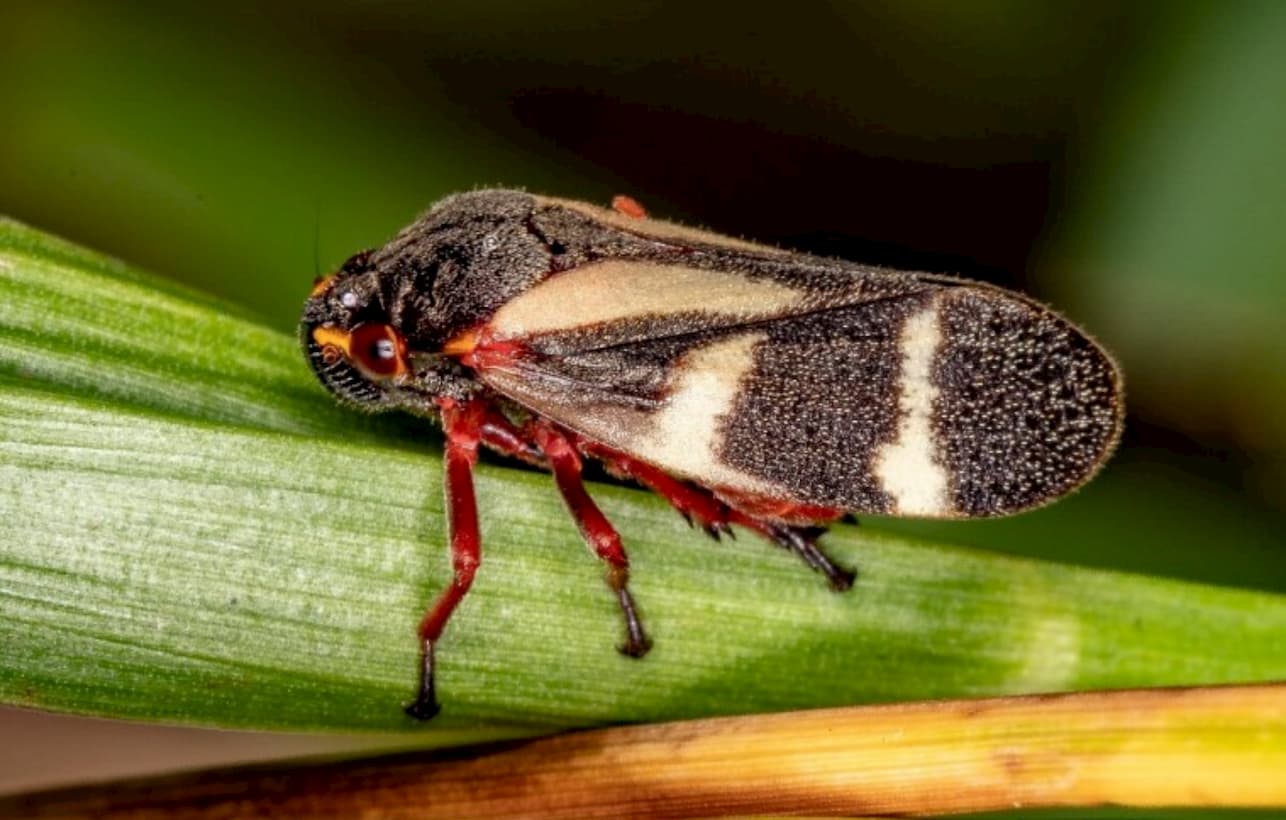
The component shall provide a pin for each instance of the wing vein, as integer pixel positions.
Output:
(748, 325)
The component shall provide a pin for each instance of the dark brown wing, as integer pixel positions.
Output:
(914, 396)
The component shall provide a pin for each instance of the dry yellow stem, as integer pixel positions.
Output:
(1219, 746)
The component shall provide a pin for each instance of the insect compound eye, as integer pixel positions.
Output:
(378, 349)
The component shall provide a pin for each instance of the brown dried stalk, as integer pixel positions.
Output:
(1214, 746)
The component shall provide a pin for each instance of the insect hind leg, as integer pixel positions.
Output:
(716, 517)
(694, 503)
(802, 541)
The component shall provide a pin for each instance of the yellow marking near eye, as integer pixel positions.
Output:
(322, 285)
(334, 337)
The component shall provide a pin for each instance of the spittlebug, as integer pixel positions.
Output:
(748, 385)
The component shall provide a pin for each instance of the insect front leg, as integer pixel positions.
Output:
(463, 426)
(594, 526)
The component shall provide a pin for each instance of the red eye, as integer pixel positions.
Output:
(378, 349)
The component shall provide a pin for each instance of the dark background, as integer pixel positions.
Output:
(1124, 162)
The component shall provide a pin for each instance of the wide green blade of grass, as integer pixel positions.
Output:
(194, 532)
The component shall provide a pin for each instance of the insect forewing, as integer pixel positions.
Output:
(822, 384)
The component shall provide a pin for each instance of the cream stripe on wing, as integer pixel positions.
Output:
(686, 435)
(906, 467)
(615, 290)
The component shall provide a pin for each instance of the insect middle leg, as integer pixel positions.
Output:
(599, 533)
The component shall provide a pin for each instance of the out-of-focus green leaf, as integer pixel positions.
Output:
(1174, 247)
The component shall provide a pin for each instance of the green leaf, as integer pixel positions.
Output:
(195, 532)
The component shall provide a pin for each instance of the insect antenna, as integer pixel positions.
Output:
(316, 238)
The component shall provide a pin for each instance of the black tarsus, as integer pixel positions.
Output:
(426, 703)
(637, 642)
(802, 542)
(718, 529)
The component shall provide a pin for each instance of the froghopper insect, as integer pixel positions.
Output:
(750, 386)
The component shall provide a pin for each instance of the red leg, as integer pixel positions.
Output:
(628, 206)
(501, 435)
(692, 502)
(594, 526)
(715, 516)
(463, 425)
